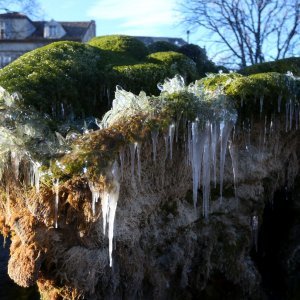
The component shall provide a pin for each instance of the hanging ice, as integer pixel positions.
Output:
(225, 129)
(132, 148)
(196, 159)
(139, 166)
(122, 157)
(109, 200)
(35, 175)
(234, 161)
(254, 228)
(56, 190)
(206, 170)
(154, 138)
(171, 138)
(16, 158)
(95, 196)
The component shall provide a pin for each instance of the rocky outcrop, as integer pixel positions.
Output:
(165, 246)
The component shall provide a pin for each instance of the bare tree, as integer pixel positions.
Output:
(29, 7)
(245, 32)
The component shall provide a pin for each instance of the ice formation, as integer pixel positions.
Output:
(95, 195)
(56, 190)
(109, 200)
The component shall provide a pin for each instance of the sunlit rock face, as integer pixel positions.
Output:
(164, 201)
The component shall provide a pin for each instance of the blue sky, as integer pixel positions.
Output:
(132, 17)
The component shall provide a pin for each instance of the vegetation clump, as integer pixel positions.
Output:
(60, 79)
(121, 44)
(291, 64)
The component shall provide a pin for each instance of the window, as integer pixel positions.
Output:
(2, 30)
(52, 31)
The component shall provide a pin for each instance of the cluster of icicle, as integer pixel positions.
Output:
(206, 135)
(109, 199)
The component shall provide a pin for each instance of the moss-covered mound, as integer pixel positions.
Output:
(265, 92)
(121, 45)
(282, 66)
(155, 68)
(61, 79)
(67, 79)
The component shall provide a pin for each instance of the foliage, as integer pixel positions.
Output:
(176, 63)
(246, 32)
(247, 92)
(64, 74)
(121, 44)
(198, 55)
(67, 79)
(291, 64)
(162, 46)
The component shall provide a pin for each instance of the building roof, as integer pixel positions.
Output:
(75, 31)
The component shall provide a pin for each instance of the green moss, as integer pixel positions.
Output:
(282, 66)
(246, 92)
(143, 76)
(176, 63)
(65, 73)
(121, 44)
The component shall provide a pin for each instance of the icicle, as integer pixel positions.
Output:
(287, 108)
(206, 170)
(254, 228)
(265, 130)
(279, 99)
(109, 200)
(56, 189)
(95, 196)
(104, 206)
(234, 161)
(154, 137)
(35, 175)
(177, 126)
(166, 145)
(171, 138)
(225, 129)
(261, 103)
(139, 167)
(132, 148)
(214, 140)
(122, 157)
(16, 158)
(62, 110)
(291, 113)
(196, 159)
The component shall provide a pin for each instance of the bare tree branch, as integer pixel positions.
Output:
(251, 30)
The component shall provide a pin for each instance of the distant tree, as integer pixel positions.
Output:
(162, 46)
(247, 32)
(30, 7)
(198, 55)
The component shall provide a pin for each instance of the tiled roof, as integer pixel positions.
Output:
(74, 30)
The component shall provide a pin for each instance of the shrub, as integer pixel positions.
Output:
(162, 46)
(121, 45)
(198, 55)
(282, 66)
(63, 77)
